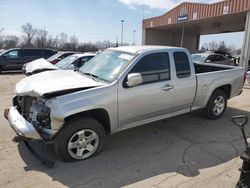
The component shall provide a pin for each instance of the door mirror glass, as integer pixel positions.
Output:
(134, 79)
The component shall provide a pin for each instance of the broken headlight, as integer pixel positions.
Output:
(40, 114)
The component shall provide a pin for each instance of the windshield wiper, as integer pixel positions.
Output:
(94, 77)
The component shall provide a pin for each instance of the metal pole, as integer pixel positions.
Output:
(116, 44)
(245, 51)
(134, 36)
(143, 12)
(182, 35)
(122, 21)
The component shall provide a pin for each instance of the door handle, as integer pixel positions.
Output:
(167, 87)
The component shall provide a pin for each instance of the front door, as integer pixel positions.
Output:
(11, 60)
(151, 100)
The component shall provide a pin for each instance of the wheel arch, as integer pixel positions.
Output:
(226, 88)
(99, 114)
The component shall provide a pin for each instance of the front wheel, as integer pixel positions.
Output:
(80, 139)
(216, 105)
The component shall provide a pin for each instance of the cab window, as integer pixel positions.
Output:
(153, 68)
(182, 65)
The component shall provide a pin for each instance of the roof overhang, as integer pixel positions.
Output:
(219, 24)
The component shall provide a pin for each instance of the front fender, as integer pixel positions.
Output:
(104, 97)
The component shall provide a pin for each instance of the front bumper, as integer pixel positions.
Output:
(20, 125)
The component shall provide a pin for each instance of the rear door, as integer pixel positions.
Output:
(27, 55)
(152, 99)
(46, 53)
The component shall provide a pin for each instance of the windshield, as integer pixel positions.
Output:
(63, 64)
(198, 57)
(107, 65)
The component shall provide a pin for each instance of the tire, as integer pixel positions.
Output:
(1, 70)
(216, 105)
(80, 139)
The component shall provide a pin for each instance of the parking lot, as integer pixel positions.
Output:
(185, 151)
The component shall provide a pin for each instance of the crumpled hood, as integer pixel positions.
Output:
(53, 81)
(39, 64)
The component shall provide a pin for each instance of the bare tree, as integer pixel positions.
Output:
(53, 42)
(222, 47)
(74, 42)
(11, 41)
(238, 51)
(1, 38)
(232, 49)
(29, 33)
(40, 40)
(63, 37)
(213, 45)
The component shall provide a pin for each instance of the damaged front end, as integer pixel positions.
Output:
(30, 118)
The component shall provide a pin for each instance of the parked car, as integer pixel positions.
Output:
(118, 89)
(226, 55)
(59, 56)
(209, 57)
(74, 61)
(14, 59)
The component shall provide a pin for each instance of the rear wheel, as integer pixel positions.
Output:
(216, 105)
(80, 139)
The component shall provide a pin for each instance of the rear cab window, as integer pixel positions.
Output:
(182, 65)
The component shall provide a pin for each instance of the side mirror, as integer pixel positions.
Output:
(134, 79)
(208, 61)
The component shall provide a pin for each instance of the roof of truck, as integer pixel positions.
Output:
(136, 49)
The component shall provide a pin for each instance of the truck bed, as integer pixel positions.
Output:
(204, 68)
(212, 76)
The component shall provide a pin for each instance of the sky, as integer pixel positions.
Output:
(92, 20)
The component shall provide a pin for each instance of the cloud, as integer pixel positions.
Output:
(159, 4)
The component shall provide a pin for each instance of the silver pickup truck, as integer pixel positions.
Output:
(118, 89)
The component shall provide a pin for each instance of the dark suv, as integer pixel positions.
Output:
(14, 59)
